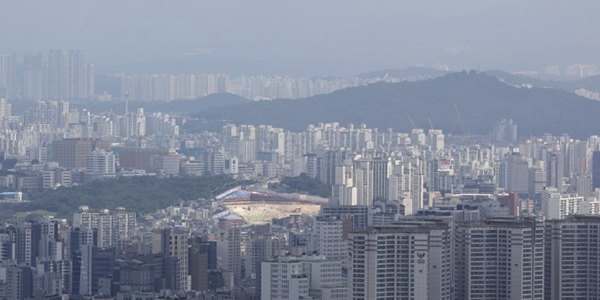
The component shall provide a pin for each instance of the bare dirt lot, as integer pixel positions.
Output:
(261, 213)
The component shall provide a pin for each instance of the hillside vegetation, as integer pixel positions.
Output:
(139, 194)
(302, 184)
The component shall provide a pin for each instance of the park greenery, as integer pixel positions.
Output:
(302, 184)
(139, 194)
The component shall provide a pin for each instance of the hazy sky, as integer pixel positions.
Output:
(308, 37)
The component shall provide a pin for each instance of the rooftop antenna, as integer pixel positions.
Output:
(430, 124)
(126, 103)
(127, 115)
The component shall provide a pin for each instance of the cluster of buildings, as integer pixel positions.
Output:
(412, 215)
(447, 251)
(58, 75)
(168, 87)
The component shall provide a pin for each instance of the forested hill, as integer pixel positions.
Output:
(168, 107)
(481, 99)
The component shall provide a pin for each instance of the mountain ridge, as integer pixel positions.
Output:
(480, 99)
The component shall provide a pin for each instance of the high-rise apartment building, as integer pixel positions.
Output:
(32, 81)
(229, 247)
(404, 260)
(500, 258)
(57, 75)
(517, 174)
(362, 215)
(19, 282)
(283, 280)
(8, 74)
(556, 205)
(596, 170)
(555, 171)
(302, 277)
(572, 259)
(68, 76)
(330, 237)
(261, 248)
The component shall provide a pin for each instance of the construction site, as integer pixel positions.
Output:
(260, 206)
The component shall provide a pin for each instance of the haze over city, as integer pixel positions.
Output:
(306, 38)
(299, 150)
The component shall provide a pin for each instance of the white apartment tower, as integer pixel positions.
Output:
(305, 277)
(283, 280)
(556, 205)
(404, 260)
(500, 258)
(572, 262)
(330, 236)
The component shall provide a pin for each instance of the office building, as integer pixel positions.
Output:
(511, 201)
(96, 264)
(172, 242)
(202, 258)
(72, 153)
(139, 158)
(100, 162)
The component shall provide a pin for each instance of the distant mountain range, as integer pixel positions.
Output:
(177, 106)
(406, 73)
(480, 99)
(591, 83)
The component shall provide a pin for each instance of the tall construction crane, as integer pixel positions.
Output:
(462, 125)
